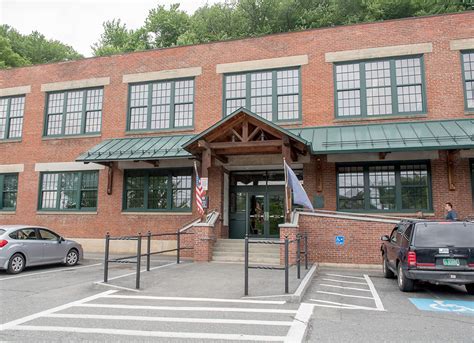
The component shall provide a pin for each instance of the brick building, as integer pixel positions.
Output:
(374, 118)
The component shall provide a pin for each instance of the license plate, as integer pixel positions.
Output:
(451, 262)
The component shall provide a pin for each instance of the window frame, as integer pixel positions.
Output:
(398, 186)
(169, 172)
(471, 165)
(2, 182)
(172, 105)
(83, 111)
(9, 117)
(464, 81)
(58, 190)
(393, 87)
(275, 95)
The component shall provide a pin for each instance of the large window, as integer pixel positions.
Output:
(74, 112)
(161, 105)
(69, 191)
(384, 187)
(11, 117)
(8, 191)
(158, 190)
(380, 87)
(468, 75)
(273, 95)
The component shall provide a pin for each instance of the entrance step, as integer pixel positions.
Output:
(233, 250)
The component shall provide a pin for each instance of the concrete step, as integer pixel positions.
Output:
(264, 261)
(251, 249)
(232, 250)
(238, 255)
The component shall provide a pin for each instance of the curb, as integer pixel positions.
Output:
(303, 287)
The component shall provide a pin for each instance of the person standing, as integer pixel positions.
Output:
(451, 213)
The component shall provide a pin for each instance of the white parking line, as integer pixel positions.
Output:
(345, 295)
(352, 282)
(333, 304)
(346, 276)
(118, 287)
(171, 319)
(146, 297)
(184, 308)
(163, 334)
(378, 302)
(49, 271)
(351, 288)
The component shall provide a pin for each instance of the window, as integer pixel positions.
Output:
(75, 112)
(11, 117)
(28, 233)
(380, 87)
(468, 75)
(158, 190)
(161, 105)
(274, 95)
(8, 191)
(69, 191)
(384, 187)
(47, 235)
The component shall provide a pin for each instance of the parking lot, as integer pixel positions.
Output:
(185, 302)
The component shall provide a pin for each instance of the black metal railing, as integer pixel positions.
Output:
(136, 259)
(286, 242)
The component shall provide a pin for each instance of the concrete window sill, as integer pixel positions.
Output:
(66, 213)
(157, 213)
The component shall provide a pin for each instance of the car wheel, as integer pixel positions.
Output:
(72, 257)
(16, 264)
(404, 284)
(470, 288)
(387, 273)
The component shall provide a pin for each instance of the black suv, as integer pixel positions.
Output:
(433, 251)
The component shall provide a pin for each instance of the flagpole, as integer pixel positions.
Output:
(287, 203)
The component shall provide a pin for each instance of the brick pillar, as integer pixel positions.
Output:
(187, 241)
(204, 238)
(216, 195)
(290, 230)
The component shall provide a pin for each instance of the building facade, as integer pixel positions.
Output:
(374, 118)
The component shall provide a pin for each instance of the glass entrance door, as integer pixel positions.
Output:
(257, 215)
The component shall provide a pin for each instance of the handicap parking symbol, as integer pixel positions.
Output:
(454, 306)
(339, 240)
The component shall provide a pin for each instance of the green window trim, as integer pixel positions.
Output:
(12, 110)
(76, 112)
(471, 163)
(467, 69)
(8, 191)
(373, 96)
(145, 189)
(163, 103)
(363, 184)
(68, 191)
(245, 101)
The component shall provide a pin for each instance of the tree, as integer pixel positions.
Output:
(8, 57)
(164, 26)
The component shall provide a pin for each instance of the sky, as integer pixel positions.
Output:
(79, 22)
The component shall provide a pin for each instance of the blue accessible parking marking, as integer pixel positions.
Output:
(455, 306)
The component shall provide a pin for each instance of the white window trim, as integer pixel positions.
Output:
(162, 75)
(462, 44)
(271, 63)
(75, 84)
(11, 168)
(15, 91)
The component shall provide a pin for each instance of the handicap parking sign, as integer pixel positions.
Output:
(339, 240)
(454, 306)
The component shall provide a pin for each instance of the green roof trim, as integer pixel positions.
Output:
(137, 149)
(251, 114)
(400, 136)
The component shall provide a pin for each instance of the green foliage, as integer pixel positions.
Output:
(19, 50)
(245, 18)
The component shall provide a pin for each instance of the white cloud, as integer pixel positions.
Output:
(79, 22)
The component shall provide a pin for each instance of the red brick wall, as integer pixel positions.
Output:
(444, 98)
(362, 239)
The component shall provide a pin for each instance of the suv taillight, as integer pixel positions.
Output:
(411, 259)
(3, 243)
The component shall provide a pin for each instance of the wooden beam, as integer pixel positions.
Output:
(319, 175)
(286, 150)
(382, 155)
(237, 135)
(245, 131)
(253, 151)
(154, 163)
(110, 177)
(253, 134)
(206, 162)
(221, 158)
(242, 145)
(450, 162)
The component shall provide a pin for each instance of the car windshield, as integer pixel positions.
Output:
(444, 234)
(2, 231)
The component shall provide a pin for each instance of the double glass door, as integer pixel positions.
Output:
(256, 212)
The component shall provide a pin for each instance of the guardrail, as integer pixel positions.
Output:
(136, 259)
(286, 242)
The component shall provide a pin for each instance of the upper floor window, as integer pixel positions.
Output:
(380, 87)
(468, 73)
(384, 187)
(8, 191)
(274, 95)
(11, 116)
(158, 190)
(161, 105)
(66, 191)
(74, 112)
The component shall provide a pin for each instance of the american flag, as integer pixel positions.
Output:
(199, 192)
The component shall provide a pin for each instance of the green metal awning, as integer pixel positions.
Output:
(424, 135)
(137, 149)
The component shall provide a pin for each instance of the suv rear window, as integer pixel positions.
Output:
(2, 231)
(429, 235)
